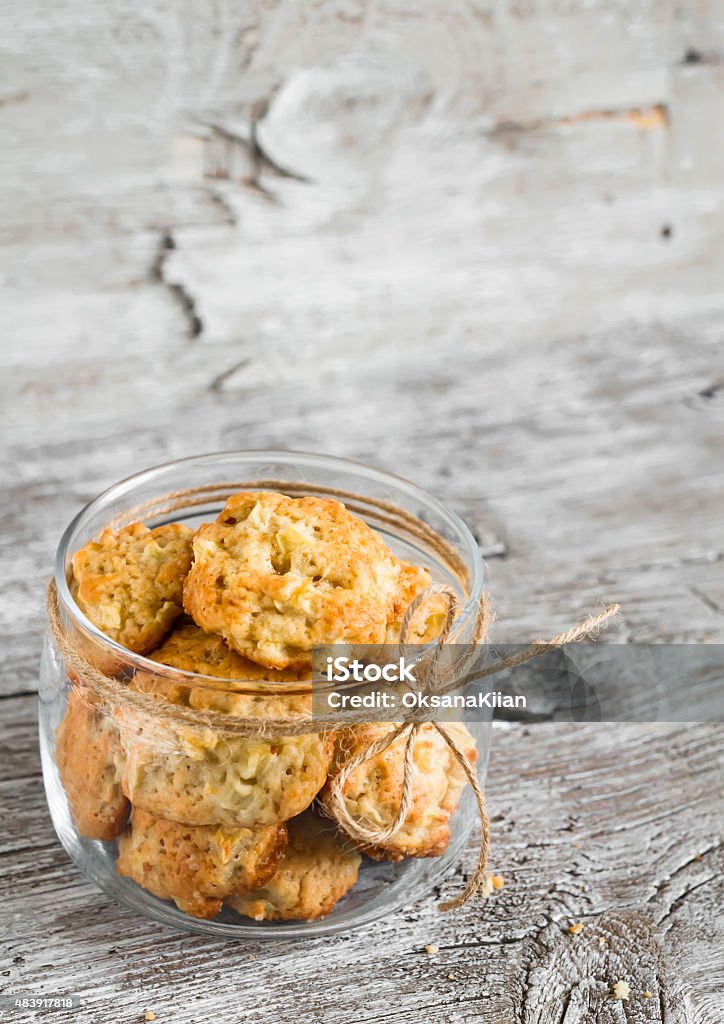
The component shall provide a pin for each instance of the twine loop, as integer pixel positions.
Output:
(377, 835)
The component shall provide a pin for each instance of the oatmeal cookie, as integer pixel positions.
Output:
(89, 758)
(428, 621)
(200, 776)
(374, 789)
(317, 870)
(198, 868)
(276, 576)
(130, 583)
(190, 649)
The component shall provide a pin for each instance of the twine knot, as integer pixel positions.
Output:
(374, 835)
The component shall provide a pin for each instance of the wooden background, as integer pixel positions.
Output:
(479, 243)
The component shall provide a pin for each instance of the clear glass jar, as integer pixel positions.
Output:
(382, 886)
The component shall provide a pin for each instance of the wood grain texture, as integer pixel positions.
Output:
(616, 827)
(477, 243)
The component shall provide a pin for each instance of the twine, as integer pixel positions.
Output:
(114, 694)
(373, 835)
(117, 694)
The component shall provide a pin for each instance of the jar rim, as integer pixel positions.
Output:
(309, 459)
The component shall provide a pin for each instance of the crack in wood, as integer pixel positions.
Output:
(705, 395)
(263, 158)
(710, 58)
(680, 900)
(37, 848)
(502, 940)
(18, 693)
(184, 299)
(712, 390)
(25, 777)
(232, 155)
(660, 988)
(216, 386)
(457, 1001)
(645, 118)
(705, 599)
(220, 201)
(696, 858)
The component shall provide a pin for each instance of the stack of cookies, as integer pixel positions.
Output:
(208, 818)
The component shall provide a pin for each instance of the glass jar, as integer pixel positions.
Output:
(192, 491)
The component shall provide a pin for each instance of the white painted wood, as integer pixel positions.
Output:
(481, 244)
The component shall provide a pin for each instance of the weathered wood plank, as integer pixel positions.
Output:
(501, 278)
(19, 752)
(630, 515)
(612, 826)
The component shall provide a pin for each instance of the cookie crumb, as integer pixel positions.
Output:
(601, 941)
(491, 883)
(577, 928)
(150, 1015)
(576, 846)
(451, 977)
(621, 990)
(648, 995)
(431, 949)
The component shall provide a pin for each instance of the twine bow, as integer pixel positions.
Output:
(373, 835)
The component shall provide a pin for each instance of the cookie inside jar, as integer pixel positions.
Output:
(209, 810)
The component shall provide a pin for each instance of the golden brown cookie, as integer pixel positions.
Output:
(198, 868)
(89, 758)
(373, 791)
(130, 583)
(201, 776)
(317, 870)
(428, 620)
(190, 649)
(276, 576)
